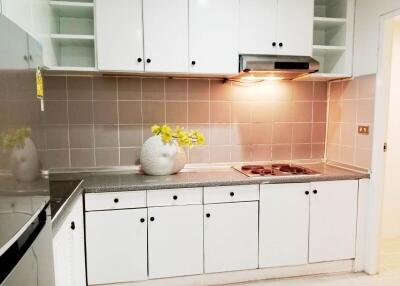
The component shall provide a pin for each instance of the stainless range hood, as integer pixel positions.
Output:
(272, 67)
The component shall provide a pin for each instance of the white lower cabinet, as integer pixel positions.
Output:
(284, 218)
(175, 241)
(116, 246)
(230, 236)
(333, 220)
(69, 249)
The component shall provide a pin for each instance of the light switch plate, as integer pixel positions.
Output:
(363, 129)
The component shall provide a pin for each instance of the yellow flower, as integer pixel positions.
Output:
(156, 129)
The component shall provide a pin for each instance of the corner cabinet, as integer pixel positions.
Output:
(69, 249)
(282, 27)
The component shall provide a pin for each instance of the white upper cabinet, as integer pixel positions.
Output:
(214, 36)
(282, 27)
(175, 235)
(119, 35)
(333, 220)
(166, 36)
(284, 220)
(20, 12)
(257, 29)
(295, 27)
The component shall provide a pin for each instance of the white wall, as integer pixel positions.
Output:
(367, 33)
(391, 201)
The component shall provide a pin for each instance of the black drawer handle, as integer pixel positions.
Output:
(175, 197)
(315, 192)
(142, 220)
(208, 215)
(139, 60)
(148, 61)
(151, 218)
(73, 225)
(231, 194)
(116, 200)
(307, 193)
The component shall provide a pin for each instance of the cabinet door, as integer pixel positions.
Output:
(175, 241)
(119, 35)
(213, 44)
(230, 236)
(333, 220)
(166, 35)
(116, 246)
(20, 12)
(62, 251)
(69, 249)
(284, 218)
(76, 225)
(295, 27)
(35, 53)
(257, 26)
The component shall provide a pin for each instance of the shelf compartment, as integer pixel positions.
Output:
(330, 8)
(73, 40)
(319, 50)
(324, 23)
(73, 9)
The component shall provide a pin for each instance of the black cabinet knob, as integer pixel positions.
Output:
(307, 193)
(175, 197)
(231, 194)
(208, 215)
(72, 225)
(193, 63)
(280, 45)
(148, 61)
(274, 44)
(139, 60)
(315, 191)
(116, 200)
(151, 218)
(142, 220)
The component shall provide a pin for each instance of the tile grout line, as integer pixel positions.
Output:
(93, 129)
(68, 131)
(118, 132)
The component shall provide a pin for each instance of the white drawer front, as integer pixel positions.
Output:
(175, 197)
(231, 194)
(115, 200)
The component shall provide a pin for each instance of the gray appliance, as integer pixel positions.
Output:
(276, 67)
(26, 257)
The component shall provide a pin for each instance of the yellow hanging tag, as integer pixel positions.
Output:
(39, 84)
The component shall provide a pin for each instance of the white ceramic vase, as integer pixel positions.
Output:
(158, 158)
(25, 162)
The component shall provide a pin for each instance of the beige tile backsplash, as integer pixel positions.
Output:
(103, 121)
(351, 103)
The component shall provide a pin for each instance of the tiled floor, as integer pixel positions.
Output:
(389, 273)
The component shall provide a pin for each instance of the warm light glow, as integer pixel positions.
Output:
(257, 78)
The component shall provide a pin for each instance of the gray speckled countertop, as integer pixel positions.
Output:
(115, 182)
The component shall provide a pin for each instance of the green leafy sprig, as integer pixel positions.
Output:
(15, 138)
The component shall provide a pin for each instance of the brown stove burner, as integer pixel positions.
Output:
(261, 172)
(252, 167)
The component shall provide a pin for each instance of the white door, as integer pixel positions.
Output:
(214, 36)
(284, 218)
(62, 251)
(333, 220)
(166, 35)
(119, 35)
(116, 246)
(230, 236)
(295, 27)
(75, 221)
(257, 26)
(175, 241)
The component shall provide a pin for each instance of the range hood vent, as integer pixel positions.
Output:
(276, 67)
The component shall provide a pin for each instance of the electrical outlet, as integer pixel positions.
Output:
(363, 129)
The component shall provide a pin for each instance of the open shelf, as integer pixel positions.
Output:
(327, 50)
(72, 9)
(324, 23)
(330, 8)
(73, 40)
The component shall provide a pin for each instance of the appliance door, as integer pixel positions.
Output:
(29, 261)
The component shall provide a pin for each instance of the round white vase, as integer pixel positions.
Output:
(25, 162)
(158, 158)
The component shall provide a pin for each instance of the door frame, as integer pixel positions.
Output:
(378, 163)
